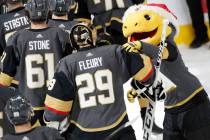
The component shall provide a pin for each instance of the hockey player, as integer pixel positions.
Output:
(12, 21)
(107, 15)
(36, 51)
(88, 86)
(187, 107)
(60, 15)
(5, 94)
(19, 112)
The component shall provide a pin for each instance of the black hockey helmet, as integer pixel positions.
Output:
(60, 7)
(38, 10)
(18, 110)
(81, 35)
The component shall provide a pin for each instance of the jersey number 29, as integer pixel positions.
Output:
(36, 75)
(101, 81)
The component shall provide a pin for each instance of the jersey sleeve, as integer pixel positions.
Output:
(2, 40)
(9, 62)
(139, 66)
(172, 49)
(65, 41)
(59, 98)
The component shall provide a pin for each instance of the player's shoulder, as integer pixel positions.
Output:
(21, 33)
(102, 50)
(109, 49)
(56, 30)
(44, 129)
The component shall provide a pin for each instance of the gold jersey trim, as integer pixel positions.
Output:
(101, 128)
(5, 79)
(186, 100)
(38, 108)
(83, 20)
(64, 106)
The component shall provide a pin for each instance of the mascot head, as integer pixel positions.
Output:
(145, 22)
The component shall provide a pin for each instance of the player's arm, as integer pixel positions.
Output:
(9, 63)
(64, 39)
(170, 52)
(59, 98)
(139, 66)
(2, 40)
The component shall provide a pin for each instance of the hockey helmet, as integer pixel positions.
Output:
(81, 35)
(18, 110)
(60, 7)
(38, 10)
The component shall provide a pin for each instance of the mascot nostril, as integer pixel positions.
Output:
(125, 27)
(136, 24)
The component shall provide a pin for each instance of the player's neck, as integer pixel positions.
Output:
(38, 25)
(65, 17)
(23, 128)
(14, 6)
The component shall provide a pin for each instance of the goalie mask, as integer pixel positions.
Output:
(18, 110)
(81, 35)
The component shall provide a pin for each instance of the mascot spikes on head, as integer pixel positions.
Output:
(145, 22)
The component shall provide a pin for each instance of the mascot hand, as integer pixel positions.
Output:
(134, 46)
(131, 95)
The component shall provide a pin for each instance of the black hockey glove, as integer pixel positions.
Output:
(146, 91)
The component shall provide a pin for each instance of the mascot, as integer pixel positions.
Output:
(187, 107)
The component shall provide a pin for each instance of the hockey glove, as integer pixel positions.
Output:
(131, 95)
(60, 126)
(134, 46)
(148, 91)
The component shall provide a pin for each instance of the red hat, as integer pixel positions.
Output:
(159, 8)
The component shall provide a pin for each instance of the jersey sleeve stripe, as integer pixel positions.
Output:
(56, 111)
(59, 105)
(146, 72)
(148, 75)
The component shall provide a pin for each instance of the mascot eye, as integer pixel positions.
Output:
(147, 17)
